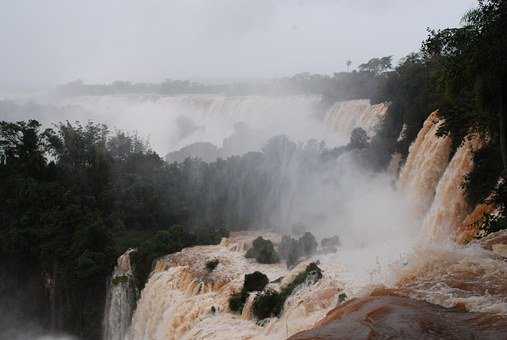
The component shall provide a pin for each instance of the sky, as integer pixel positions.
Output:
(45, 43)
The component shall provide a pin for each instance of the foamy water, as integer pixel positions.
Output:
(399, 237)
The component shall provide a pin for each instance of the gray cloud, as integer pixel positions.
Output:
(48, 42)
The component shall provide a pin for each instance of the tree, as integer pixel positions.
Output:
(358, 139)
(377, 65)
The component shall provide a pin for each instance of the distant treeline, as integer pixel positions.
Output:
(357, 84)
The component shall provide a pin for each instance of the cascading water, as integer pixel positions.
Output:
(426, 162)
(440, 271)
(182, 300)
(449, 207)
(344, 116)
(120, 300)
(173, 122)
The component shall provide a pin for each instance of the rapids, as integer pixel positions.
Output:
(182, 300)
(177, 300)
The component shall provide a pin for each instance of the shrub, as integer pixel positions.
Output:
(268, 304)
(271, 303)
(263, 251)
(120, 279)
(291, 250)
(308, 244)
(255, 281)
(211, 265)
(237, 301)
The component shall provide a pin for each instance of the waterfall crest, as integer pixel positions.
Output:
(344, 116)
(426, 162)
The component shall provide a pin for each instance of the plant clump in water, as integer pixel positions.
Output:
(263, 251)
(253, 282)
(211, 265)
(120, 279)
(270, 303)
(291, 250)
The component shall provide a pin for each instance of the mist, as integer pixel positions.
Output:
(155, 154)
(54, 42)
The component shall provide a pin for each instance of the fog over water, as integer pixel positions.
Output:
(49, 42)
(317, 159)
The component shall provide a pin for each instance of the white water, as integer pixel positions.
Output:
(343, 117)
(384, 243)
(120, 300)
(173, 122)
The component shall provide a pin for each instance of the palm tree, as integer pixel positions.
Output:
(348, 63)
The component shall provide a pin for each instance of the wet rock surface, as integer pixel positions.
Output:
(389, 316)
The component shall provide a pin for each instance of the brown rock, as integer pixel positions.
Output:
(396, 317)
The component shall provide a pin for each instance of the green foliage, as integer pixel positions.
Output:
(377, 65)
(74, 200)
(253, 282)
(481, 182)
(263, 251)
(270, 303)
(119, 279)
(291, 250)
(358, 139)
(494, 224)
(307, 244)
(237, 302)
(211, 265)
(286, 246)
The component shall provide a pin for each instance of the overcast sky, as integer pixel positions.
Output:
(55, 41)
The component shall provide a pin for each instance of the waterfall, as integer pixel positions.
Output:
(426, 162)
(182, 300)
(120, 300)
(173, 122)
(344, 116)
(449, 207)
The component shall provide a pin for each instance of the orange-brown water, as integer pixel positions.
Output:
(426, 162)
(343, 117)
(178, 298)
